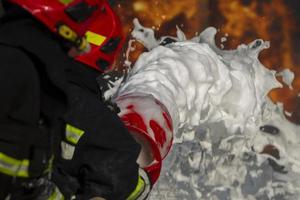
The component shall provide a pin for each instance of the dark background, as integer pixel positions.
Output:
(277, 21)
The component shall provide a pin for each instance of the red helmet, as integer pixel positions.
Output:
(91, 25)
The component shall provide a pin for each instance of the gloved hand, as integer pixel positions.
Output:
(35, 189)
(142, 189)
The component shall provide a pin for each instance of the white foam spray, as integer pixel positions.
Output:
(222, 116)
(287, 77)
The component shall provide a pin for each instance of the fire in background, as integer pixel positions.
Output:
(243, 21)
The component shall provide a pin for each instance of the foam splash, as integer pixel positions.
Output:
(287, 77)
(222, 116)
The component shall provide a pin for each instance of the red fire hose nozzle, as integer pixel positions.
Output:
(149, 122)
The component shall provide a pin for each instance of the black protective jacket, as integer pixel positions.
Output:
(43, 92)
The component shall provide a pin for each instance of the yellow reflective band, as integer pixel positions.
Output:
(138, 190)
(73, 134)
(65, 1)
(13, 167)
(56, 195)
(94, 38)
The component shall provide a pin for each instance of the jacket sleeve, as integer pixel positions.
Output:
(105, 157)
(19, 85)
(19, 110)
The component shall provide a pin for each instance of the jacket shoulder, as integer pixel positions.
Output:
(19, 86)
(14, 61)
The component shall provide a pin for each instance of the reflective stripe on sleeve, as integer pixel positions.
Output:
(138, 190)
(143, 187)
(73, 134)
(56, 195)
(13, 167)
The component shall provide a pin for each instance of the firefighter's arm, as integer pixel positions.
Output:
(16, 74)
(104, 158)
(18, 110)
(141, 191)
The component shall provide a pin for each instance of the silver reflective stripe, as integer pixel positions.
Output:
(67, 150)
(73, 134)
(13, 167)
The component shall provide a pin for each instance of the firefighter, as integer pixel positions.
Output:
(57, 139)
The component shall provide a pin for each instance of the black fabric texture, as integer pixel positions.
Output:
(17, 189)
(63, 91)
(22, 136)
(29, 102)
(106, 154)
(6, 185)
